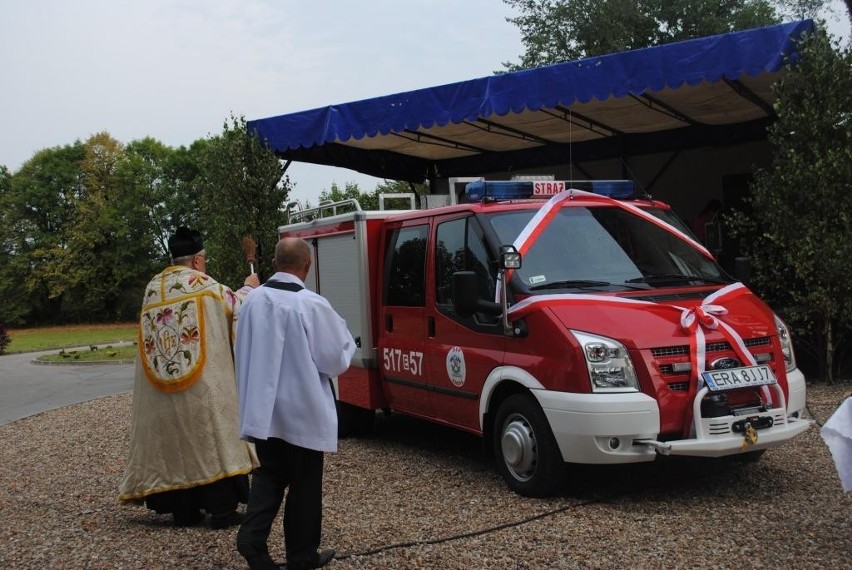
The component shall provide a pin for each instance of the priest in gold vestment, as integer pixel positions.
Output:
(186, 457)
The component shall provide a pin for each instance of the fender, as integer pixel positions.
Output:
(499, 375)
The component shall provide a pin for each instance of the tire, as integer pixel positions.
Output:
(353, 421)
(525, 450)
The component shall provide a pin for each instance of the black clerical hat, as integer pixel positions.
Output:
(185, 242)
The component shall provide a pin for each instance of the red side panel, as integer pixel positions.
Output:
(361, 387)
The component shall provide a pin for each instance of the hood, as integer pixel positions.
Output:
(656, 320)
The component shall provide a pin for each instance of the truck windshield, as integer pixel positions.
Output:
(604, 248)
(671, 218)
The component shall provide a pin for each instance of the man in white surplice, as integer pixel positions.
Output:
(290, 342)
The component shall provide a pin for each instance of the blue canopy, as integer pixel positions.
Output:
(702, 92)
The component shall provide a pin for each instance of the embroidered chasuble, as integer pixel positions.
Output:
(184, 424)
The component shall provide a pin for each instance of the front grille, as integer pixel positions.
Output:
(683, 350)
(718, 427)
(679, 380)
(670, 351)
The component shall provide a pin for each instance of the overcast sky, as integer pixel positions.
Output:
(175, 70)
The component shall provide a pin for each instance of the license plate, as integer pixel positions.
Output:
(736, 378)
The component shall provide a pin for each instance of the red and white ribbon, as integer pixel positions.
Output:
(706, 316)
(694, 321)
(539, 222)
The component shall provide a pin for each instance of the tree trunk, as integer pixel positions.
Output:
(829, 351)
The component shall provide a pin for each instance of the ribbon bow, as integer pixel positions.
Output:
(703, 315)
(694, 321)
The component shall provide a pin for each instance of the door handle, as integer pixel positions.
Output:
(388, 323)
(430, 323)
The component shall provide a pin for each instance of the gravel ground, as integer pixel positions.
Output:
(416, 495)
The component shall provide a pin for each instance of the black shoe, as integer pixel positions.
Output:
(323, 558)
(257, 559)
(218, 522)
(188, 518)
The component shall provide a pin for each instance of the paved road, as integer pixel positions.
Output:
(27, 388)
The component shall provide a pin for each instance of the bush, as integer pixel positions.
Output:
(5, 339)
(797, 227)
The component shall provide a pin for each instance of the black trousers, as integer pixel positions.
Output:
(299, 470)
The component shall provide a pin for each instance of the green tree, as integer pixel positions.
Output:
(350, 191)
(106, 262)
(38, 209)
(370, 200)
(83, 227)
(400, 187)
(554, 31)
(800, 9)
(164, 180)
(799, 229)
(14, 308)
(5, 338)
(242, 194)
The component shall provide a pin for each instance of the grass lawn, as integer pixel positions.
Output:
(69, 336)
(124, 352)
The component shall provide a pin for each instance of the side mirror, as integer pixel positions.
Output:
(465, 292)
(466, 296)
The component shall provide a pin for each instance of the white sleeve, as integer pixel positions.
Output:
(331, 344)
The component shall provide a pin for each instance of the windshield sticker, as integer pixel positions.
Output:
(455, 366)
(536, 279)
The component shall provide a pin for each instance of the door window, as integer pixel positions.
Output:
(405, 267)
(461, 247)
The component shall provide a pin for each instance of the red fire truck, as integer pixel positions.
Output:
(563, 323)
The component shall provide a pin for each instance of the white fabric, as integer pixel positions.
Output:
(289, 345)
(837, 433)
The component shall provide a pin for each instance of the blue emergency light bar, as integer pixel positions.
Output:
(544, 189)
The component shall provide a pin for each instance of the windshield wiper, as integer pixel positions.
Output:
(673, 277)
(567, 284)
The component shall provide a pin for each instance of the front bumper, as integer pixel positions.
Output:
(623, 428)
(601, 428)
(729, 443)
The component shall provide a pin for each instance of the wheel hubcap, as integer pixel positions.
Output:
(518, 446)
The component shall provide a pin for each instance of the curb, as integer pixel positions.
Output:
(83, 363)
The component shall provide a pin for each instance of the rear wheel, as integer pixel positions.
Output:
(525, 450)
(354, 420)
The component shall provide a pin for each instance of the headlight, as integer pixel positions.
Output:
(786, 344)
(610, 367)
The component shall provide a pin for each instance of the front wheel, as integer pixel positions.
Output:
(525, 450)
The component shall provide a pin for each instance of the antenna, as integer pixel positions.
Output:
(570, 145)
